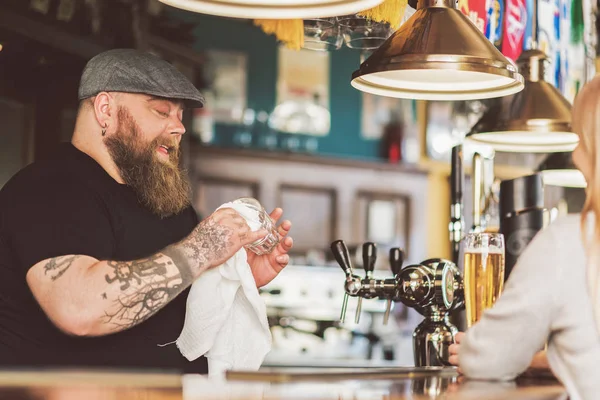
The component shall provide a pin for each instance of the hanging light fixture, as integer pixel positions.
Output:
(558, 170)
(438, 54)
(274, 9)
(537, 120)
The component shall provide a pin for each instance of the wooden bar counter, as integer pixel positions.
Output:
(376, 384)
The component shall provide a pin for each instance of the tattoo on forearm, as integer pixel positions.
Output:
(57, 266)
(133, 272)
(208, 241)
(146, 286)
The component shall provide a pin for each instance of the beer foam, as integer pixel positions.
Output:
(484, 250)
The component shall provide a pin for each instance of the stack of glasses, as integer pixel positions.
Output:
(356, 32)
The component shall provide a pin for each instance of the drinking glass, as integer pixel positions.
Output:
(257, 218)
(363, 33)
(483, 272)
(322, 34)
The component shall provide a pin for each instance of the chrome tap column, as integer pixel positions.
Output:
(434, 288)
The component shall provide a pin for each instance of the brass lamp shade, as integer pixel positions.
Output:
(438, 54)
(535, 120)
(274, 9)
(558, 170)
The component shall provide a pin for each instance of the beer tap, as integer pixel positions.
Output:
(369, 256)
(353, 282)
(477, 192)
(396, 261)
(457, 223)
(433, 287)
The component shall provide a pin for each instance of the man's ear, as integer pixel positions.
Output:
(105, 110)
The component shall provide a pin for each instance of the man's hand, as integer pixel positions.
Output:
(266, 267)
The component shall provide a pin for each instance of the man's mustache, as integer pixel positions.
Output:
(172, 144)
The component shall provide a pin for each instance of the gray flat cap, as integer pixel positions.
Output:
(133, 71)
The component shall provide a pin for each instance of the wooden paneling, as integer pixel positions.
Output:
(322, 197)
(211, 192)
(384, 218)
(314, 210)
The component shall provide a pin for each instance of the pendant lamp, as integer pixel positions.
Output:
(558, 170)
(535, 120)
(438, 54)
(274, 9)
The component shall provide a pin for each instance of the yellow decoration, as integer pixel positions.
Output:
(390, 11)
(291, 31)
(288, 31)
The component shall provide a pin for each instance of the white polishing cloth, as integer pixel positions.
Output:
(226, 319)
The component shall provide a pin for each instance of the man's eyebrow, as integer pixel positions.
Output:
(177, 102)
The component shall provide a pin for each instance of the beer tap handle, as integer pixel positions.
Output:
(358, 310)
(388, 307)
(396, 260)
(344, 307)
(369, 255)
(342, 256)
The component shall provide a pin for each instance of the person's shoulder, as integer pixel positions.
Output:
(567, 222)
(65, 168)
(564, 230)
(554, 251)
(28, 179)
(562, 238)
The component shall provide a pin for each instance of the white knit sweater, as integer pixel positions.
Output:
(545, 299)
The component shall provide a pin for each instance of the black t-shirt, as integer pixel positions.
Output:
(68, 204)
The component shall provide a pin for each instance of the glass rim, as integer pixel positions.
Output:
(486, 242)
(328, 23)
(346, 21)
(364, 43)
(484, 234)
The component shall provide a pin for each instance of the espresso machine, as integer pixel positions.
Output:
(522, 215)
(434, 288)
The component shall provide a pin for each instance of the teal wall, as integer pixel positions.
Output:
(344, 139)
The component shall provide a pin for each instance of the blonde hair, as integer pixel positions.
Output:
(586, 123)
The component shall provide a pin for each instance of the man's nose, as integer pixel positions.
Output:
(177, 127)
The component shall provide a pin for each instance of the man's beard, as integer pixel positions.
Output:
(160, 186)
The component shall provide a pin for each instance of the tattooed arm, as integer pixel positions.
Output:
(87, 297)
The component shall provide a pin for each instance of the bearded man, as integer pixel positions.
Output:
(99, 243)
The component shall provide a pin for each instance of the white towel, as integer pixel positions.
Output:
(226, 319)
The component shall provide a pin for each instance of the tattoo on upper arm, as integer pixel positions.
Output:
(146, 286)
(57, 266)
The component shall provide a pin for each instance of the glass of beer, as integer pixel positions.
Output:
(483, 272)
